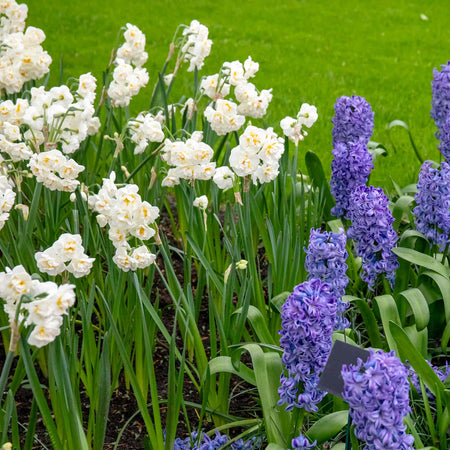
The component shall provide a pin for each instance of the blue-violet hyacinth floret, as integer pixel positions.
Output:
(325, 259)
(377, 392)
(433, 202)
(193, 442)
(308, 319)
(373, 232)
(440, 92)
(301, 443)
(444, 146)
(350, 168)
(353, 120)
(442, 375)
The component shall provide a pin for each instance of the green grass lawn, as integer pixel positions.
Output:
(309, 51)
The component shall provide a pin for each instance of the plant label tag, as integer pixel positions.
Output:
(342, 353)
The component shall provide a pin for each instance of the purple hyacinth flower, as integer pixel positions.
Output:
(308, 319)
(353, 120)
(442, 375)
(440, 102)
(433, 203)
(350, 168)
(325, 259)
(373, 232)
(301, 443)
(377, 392)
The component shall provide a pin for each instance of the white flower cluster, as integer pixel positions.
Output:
(251, 103)
(214, 87)
(127, 215)
(11, 117)
(69, 120)
(44, 305)
(144, 129)
(293, 128)
(128, 80)
(257, 154)
(197, 47)
(22, 57)
(7, 198)
(13, 17)
(67, 249)
(224, 118)
(55, 171)
(191, 160)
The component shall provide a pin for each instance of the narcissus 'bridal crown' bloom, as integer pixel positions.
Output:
(257, 155)
(325, 259)
(128, 217)
(128, 80)
(433, 203)
(7, 198)
(67, 249)
(223, 117)
(373, 232)
(196, 45)
(22, 57)
(308, 319)
(293, 128)
(190, 160)
(55, 171)
(144, 129)
(201, 202)
(214, 87)
(378, 394)
(350, 168)
(37, 304)
(353, 120)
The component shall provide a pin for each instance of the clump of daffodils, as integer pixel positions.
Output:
(190, 160)
(67, 253)
(55, 170)
(196, 45)
(7, 198)
(128, 80)
(34, 303)
(224, 117)
(59, 118)
(144, 129)
(294, 128)
(257, 154)
(22, 57)
(127, 216)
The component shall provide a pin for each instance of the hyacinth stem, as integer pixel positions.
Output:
(347, 435)
(444, 254)
(5, 371)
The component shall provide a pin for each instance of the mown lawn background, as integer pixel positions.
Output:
(309, 51)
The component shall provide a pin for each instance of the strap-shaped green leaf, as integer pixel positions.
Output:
(422, 260)
(328, 426)
(419, 307)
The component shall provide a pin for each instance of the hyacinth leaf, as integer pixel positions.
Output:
(335, 225)
(224, 364)
(267, 369)
(419, 307)
(407, 352)
(376, 149)
(339, 336)
(278, 301)
(410, 424)
(275, 447)
(319, 181)
(443, 284)
(339, 446)
(370, 322)
(445, 337)
(410, 237)
(328, 426)
(401, 210)
(422, 260)
(388, 312)
(258, 324)
(400, 123)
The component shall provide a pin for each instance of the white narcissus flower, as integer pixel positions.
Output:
(143, 257)
(123, 260)
(214, 87)
(293, 128)
(224, 177)
(201, 202)
(80, 265)
(224, 118)
(196, 46)
(46, 332)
